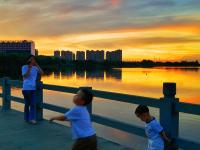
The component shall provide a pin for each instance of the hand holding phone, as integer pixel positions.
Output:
(29, 64)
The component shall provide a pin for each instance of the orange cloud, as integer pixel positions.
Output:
(115, 2)
(183, 27)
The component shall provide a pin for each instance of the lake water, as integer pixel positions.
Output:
(136, 81)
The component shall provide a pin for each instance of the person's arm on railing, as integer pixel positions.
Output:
(164, 136)
(59, 118)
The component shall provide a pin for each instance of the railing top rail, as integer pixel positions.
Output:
(188, 108)
(109, 95)
(15, 83)
(57, 88)
(133, 99)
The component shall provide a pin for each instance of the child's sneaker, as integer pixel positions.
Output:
(33, 122)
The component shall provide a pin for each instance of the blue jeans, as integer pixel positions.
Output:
(30, 105)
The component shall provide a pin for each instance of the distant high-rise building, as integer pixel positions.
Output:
(114, 56)
(62, 54)
(67, 55)
(92, 55)
(119, 55)
(17, 47)
(57, 54)
(73, 56)
(36, 52)
(99, 57)
(108, 56)
(80, 56)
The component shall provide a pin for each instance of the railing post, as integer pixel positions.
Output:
(89, 107)
(169, 117)
(39, 95)
(6, 91)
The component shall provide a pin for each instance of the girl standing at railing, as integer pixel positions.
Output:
(30, 73)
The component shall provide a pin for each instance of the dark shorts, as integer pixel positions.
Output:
(88, 143)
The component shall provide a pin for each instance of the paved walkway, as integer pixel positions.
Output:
(15, 134)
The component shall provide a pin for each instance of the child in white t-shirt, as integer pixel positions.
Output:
(153, 129)
(82, 131)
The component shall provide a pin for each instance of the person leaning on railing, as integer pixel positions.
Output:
(154, 131)
(30, 73)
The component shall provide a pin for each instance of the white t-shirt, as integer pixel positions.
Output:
(153, 130)
(81, 125)
(29, 83)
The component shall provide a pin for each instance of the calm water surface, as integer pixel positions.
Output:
(137, 81)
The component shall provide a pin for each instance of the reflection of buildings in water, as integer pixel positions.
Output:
(48, 73)
(64, 74)
(56, 74)
(189, 69)
(89, 74)
(67, 74)
(95, 74)
(80, 74)
(114, 74)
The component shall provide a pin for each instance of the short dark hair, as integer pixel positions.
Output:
(27, 59)
(87, 96)
(141, 109)
(30, 57)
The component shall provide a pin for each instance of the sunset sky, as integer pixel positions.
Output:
(143, 29)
